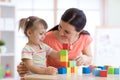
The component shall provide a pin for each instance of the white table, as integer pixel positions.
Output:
(70, 77)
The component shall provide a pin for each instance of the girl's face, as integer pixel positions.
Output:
(37, 35)
(67, 31)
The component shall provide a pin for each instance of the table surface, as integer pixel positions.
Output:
(71, 76)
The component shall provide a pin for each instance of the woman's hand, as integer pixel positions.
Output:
(51, 70)
(21, 69)
(83, 60)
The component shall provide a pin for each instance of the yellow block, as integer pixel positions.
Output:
(68, 70)
(64, 58)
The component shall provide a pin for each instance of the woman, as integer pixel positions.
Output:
(70, 30)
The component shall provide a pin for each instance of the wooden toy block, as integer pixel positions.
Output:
(102, 67)
(86, 70)
(66, 46)
(74, 63)
(96, 71)
(64, 64)
(92, 67)
(70, 64)
(62, 70)
(68, 70)
(110, 70)
(116, 70)
(72, 69)
(63, 53)
(76, 69)
(103, 73)
(63, 58)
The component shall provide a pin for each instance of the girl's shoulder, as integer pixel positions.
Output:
(28, 48)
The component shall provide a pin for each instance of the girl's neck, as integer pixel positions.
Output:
(36, 47)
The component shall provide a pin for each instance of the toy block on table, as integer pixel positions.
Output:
(103, 73)
(72, 63)
(62, 70)
(68, 70)
(110, 70)
(66, 46)
(96, 71)
(63, 56)
(64, 64)
(102, 67)
(116, 70)
(86, 70)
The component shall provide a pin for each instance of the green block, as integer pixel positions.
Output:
(70, 63)
(110, 70)
(1, 72)
(63, 53)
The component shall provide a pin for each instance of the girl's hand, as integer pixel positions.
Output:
(21, 69)
(51, 70)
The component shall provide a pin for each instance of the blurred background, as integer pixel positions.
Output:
(103, 23)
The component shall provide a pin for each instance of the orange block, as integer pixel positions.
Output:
(64, 64)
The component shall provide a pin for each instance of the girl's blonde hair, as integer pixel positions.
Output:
(30, 23)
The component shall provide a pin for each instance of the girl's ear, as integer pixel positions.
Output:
(28, 32)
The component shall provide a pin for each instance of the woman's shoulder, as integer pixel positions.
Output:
(49, 34)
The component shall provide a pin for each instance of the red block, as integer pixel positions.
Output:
(66, 46)
(64, 64)
(103, 73)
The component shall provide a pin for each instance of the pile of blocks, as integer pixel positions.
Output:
(101, 71)
(66, 66)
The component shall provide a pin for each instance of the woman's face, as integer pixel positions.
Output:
(67, 31)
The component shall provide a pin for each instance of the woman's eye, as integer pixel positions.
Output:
(41, 33)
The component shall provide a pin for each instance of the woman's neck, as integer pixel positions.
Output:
(56, 33)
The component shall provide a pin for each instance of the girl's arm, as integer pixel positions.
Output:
(37, 69)
(34, 69)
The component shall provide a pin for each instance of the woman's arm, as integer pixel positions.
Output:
(55, 54)
(85, 58)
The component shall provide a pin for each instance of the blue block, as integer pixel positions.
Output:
(116, 70)
(86, 70)
(102, 67)
(62, 70)
(96, 71)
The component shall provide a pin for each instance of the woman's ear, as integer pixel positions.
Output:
(80, 32)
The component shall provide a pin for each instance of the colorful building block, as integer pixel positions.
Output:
(103, 73)
(68, 70)
(116, 70)
(64, 58)
(96, 71)
(62, 70)
(86, 70)
(66, 46)
(110, 70)
(7, 70)
(64, 64)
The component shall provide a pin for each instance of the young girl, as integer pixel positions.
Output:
(35, 51)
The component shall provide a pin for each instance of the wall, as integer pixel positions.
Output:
(113, 12)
